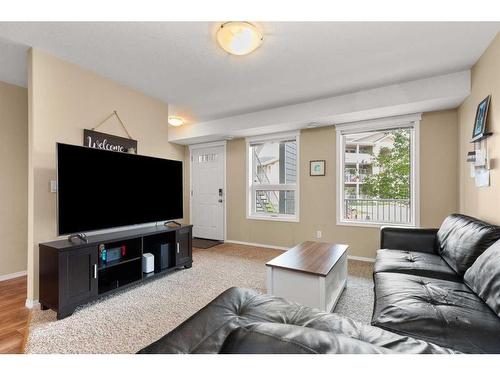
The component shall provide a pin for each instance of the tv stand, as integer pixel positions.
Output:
(72, 273)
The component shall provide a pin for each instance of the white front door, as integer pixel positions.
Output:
(207, 192)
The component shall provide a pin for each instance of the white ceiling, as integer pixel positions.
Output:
(13, 64)
(180, 63)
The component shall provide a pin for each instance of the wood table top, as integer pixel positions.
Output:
(316, 258)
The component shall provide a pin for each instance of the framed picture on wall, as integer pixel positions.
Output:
(317, 167)
(479, 130)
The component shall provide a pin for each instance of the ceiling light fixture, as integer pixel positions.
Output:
(175, 120)
(239, 38)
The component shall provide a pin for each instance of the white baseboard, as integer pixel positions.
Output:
(13, 275)
(32, 303)
(353, 257)
(363, 259)
(258, 245)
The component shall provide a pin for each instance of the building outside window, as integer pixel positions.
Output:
(378, 162)
(273, 177)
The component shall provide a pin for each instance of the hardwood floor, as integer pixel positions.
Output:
(14, 316)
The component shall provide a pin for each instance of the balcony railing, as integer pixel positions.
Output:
(395, 211)
(350, 177)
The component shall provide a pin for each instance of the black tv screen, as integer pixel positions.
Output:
(100, 189)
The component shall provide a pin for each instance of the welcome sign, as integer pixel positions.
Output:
(108, 142)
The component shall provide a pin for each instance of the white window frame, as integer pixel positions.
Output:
(410, 121)
(251, 188)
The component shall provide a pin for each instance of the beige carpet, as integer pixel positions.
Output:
(357, 300)
(127, 321)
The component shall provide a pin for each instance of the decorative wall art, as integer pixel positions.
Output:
(478, 159)
(479, 130)
(103, 141)
(317, 168)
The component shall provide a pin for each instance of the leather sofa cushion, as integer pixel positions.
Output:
(412, 239)
(276, 338)
(414, 263)
(207, 330)
(444, 312)
(461, 239)
(483, 277)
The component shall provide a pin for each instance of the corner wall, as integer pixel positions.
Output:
(13, 178)
(483, 202)
(438, 189)
(63, 100)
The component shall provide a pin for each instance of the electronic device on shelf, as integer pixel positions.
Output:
(112, 254)
(148, 262)
(165, 256)
(116, 253)
(103, 254)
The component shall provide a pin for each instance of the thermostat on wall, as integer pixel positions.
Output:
(53, 186)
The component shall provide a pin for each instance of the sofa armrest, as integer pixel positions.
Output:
(410, 239)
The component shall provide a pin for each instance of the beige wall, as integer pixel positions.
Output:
(439, 197)
(65, 99)
(484, 202)
(14, 178)
(438, 167)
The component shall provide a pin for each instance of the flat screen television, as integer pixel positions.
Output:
(100, 189)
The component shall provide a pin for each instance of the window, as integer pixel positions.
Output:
(272, 192)
(377, 178)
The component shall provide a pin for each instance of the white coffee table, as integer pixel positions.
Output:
(312, 273)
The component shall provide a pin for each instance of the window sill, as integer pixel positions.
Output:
(292, 219)
(372, 224)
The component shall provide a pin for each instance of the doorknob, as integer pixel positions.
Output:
(220, 193)
(220, 200)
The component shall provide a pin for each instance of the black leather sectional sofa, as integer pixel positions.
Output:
(441, 285)
(437, 291)
(243, 321)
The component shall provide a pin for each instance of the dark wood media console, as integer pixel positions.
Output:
(72, 273)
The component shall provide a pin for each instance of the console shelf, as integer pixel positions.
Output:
(72, 274)
(118, 262)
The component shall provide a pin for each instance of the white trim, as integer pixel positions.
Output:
(370, 224)
(248, 179)
(379, 123)
(206, 145)
(363, 259)
(273, 137)
(295, 187)
(13, 275)
(411, 121)
(284, 248)
(339, 179)
(201, 146)
(32, 303)
(415, 165)
(258, 245)
(277, 217)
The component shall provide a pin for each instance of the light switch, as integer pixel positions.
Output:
(53, 186)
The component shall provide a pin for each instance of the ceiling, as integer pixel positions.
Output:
(180, 63)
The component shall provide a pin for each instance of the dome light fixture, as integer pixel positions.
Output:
(175, 120)
(239, 37)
